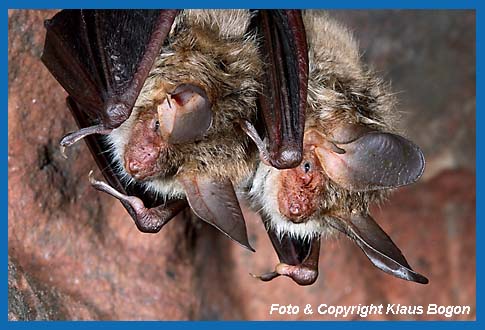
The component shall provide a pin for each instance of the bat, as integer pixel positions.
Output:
(352, 155)
(159, 96)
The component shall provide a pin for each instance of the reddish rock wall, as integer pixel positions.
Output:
(76, 254)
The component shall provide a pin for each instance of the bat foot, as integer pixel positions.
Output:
(134, 202)
(301, 274)
(147, 220)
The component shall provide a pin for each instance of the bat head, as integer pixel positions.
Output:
(350, 144)
(205, 78)
(344, 169)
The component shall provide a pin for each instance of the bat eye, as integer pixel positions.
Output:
(307, 166)
(157, 126)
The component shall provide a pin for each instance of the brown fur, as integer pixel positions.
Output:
(341, 89)
(210, 49)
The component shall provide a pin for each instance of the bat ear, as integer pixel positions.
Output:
(377, 246)
(185, 115)
(370, 160)
(215, 202)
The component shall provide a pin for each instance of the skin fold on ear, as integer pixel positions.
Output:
(185, 115)
(376, 245)
(365, 160)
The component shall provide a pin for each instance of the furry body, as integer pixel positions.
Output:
(210, 49)
(340, 90)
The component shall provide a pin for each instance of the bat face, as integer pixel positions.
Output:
(145, 147)
(294, 201)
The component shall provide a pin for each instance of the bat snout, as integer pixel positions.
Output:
(296, 208)
(143, 164)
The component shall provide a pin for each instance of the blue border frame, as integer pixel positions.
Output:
(343, 4)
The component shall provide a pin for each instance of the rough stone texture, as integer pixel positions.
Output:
(31, 299)
(76, 254)
(61, 231)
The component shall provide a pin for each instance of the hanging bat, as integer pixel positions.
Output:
(159, 96)
(351, 157)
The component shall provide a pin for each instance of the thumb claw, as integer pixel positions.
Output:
(63, 151)
(266, 276)
(91, 178)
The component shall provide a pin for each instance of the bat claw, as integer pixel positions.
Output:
(62, 149)
(103, 186)
(250, 131)
(167, 97)
(91, 177)
(266, 276)
(92, 180)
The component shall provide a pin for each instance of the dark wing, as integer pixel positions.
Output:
(216, 203)
(290, 250)
(102, 57)
(284, 96)
(377, 246)
(298, 258)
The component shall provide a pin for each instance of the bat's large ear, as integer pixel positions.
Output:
(185, 115)
(216, 203)
(359, 159)
(376, 245)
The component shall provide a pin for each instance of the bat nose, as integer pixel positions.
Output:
(134, 167)
(142, 164)
(185, 115)
(297, 212)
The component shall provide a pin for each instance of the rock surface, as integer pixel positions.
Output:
(76, 254)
